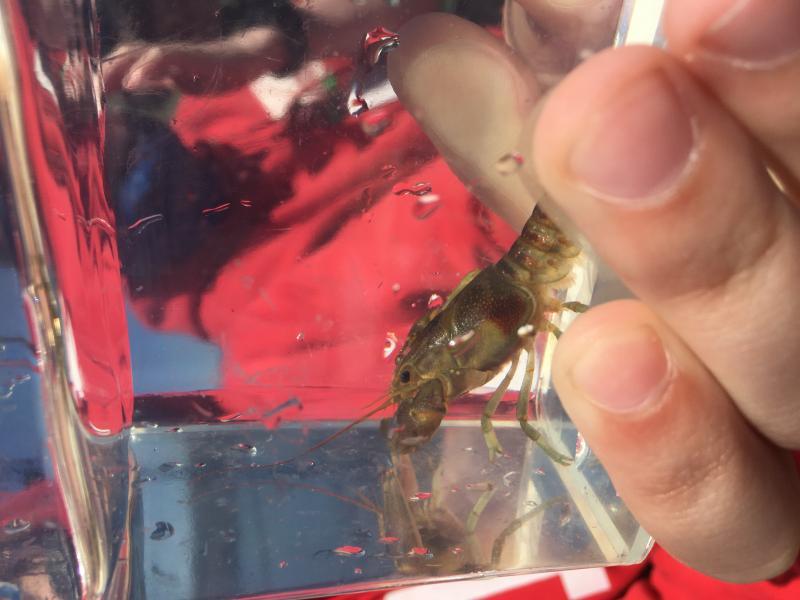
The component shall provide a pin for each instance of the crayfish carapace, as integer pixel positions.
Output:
(488, 321)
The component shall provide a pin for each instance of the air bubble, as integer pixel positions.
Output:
(162, 531)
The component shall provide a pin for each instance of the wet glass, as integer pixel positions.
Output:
(226, 225)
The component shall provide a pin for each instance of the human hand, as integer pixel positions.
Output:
(688, 395)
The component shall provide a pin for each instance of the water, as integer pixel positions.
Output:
(348, 513)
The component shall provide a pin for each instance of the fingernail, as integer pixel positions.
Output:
(756, 33)
(638, 146)
(624, 372)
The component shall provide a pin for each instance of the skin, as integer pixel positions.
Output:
(688, 394)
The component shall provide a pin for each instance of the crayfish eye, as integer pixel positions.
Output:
(405, 376)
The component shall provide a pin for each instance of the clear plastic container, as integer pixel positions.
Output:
(279, 222)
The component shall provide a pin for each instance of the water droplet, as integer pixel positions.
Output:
(435, 301)
(195, 78)
(426, 205)
(246, 203)
(140, 225)
(162, 531)
(246, 448)
(283, 564)
(216, 209)
(456, 550)
(581, 449)
(15, 526)
(176, 429)
(376, 42)
(510, 163)
(349, 551)
(526, 330)
(200, 465)
(538, 471)
(230, 417)
(388, 171)
(389, 344)
(395, 287)
(300, 336)
(356, 105)
(420, 551)
(358, 571)
(420, 496)
(389, 539)
(412, 189)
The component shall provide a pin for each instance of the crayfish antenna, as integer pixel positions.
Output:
(385, 404)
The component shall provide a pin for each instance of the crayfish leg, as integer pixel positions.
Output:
(522, 414)
(489, 436)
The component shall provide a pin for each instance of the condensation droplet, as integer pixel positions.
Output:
(389, 344)
(395, 287)
(435, 301)
(581, 449)
(140, 225)
(456, 550)
(349, 551)
(389, 539)
(300, 336)
(162, 531)
(420, 496)
(283, 564)
(426, 205)
(246, 448)
(200, 465)
(176, 429)
(358, 571)
(15, 526)
(412, 189)
(376, 42)
(538, 471)
(216, 209)
(510, 163)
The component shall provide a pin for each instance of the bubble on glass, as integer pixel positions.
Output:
(435, 301)
(510, 163)
(389, 344)
(388, 171)
(245, 448)
(140, 225)
(355, 551)
(15, 526)
(216, 209)
(388, 539)
(376, 43)
(426, 205)
(162, 531)
(419, 188)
